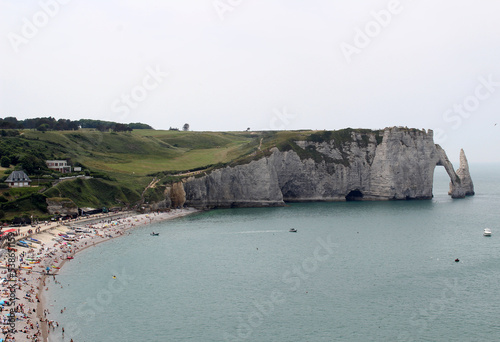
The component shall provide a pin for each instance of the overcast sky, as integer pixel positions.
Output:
(263, 64)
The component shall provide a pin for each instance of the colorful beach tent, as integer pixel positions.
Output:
(5, 232)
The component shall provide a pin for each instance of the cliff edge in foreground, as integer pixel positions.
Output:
(396, 163)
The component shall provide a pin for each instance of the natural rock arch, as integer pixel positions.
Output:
(396, 163)
(460, 182)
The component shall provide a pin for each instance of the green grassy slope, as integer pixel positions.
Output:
(129, 161)
(141, 152)
(94, 193)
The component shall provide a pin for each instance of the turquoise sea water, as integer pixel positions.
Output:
(356, 271)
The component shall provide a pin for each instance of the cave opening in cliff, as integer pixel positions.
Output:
(354, 195)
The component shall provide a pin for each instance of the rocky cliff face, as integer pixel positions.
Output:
(465, 187)
(61, 206)
(365, 166)
(250, 185)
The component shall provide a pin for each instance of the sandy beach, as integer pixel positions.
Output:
(38, 264)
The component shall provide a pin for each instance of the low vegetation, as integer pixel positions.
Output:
(120, 165)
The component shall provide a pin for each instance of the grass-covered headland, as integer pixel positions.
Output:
(121, 166)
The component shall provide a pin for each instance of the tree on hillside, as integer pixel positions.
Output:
(66, 125)
(89, 123)
(121, 128)
(9, 123)
(185, 127)
(102, 128)
(138, 125)
(43, 127)
(31, 164)
(9, 133)
(5, 161)
(51, 124)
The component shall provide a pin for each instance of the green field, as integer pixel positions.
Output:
(123, 164)
(143, 152)
(126, 161)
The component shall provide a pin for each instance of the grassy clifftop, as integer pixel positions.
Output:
(125, 163)
(140, 152)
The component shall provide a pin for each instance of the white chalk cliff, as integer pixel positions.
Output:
(466, 186)
(396, 163)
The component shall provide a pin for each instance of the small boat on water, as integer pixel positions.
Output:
(155, 234)
(487, 232)
(293, 230)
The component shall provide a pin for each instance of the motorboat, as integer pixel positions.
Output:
(293, 230)
(487, 232)
(155, 234)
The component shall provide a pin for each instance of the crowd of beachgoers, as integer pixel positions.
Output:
(27, 270)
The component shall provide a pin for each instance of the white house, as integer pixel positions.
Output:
(59, 165)
(18, 179)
